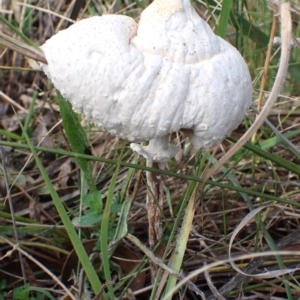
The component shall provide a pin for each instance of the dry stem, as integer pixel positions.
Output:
(154, 201)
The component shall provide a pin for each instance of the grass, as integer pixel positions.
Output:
(78, 194)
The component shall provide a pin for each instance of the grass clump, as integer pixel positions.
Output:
(78, 226)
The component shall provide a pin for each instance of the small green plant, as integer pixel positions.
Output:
(94, 211)
(3, 285)
(24, 293)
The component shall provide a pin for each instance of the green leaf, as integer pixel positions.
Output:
(224, 18)
(77, 138)
(94, 201)
(288, 165)
(122, 229)
(10, 135)
(18, 32)
(116, 208)
(86, 199)
(273, 141)
(21, 293)
(105, 226)
(91, 218)
(3, 284)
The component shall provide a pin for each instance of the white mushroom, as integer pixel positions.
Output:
(143, 81)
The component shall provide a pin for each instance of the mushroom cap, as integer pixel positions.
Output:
(146, 80)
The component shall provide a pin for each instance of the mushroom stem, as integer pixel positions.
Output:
(158, 152)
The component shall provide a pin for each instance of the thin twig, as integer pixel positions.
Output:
(12, 102)
(266, 68)
(212, 286)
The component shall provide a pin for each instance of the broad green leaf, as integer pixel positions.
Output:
(77, 138)
(94, 201)
(91, 218)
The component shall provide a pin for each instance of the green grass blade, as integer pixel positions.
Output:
(267, 144)
(274, 158)
(280, 262)
(76, 242)
(224, 18)
(181, 241)
(140, 3)
(261, 39)
(30, 114)
(259, 221)
(10, 135)
(105, 226)
(273, 141)
(77, 138)
(187, 210)
(17, 32)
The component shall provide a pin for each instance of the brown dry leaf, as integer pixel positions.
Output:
(41, 138)
(22, 181)
(72, 260)
(128, 260)
(295, 247)
(34, 210)
(26, 100)
(65, 170)
(33, 64)
(103, 142)
(123, 256)
(11, 123)
(45, 105)
(30, 274)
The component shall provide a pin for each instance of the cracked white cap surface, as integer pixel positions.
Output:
(146, 80)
